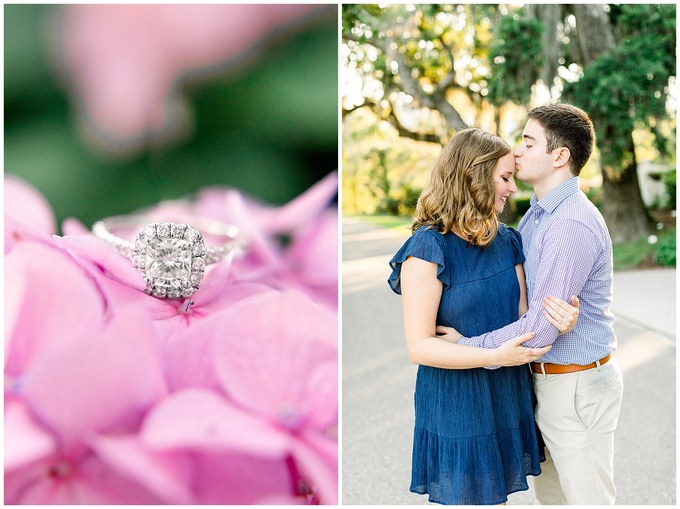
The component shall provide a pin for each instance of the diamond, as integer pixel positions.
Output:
(199, 264)
(168, 259)
(192, 235)
(138, 261)
(163, 229)
(148, 231)
(178, 230)
(198, 250)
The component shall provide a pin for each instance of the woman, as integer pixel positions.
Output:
(475, 439)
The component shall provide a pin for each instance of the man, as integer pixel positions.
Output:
(568, 252)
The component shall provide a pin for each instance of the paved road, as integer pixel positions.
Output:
(378, 380)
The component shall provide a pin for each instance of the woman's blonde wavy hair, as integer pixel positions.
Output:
(461, 193)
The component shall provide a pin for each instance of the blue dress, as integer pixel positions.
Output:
(475, 438)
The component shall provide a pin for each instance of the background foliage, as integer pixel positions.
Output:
(625, 87)
(420, 73)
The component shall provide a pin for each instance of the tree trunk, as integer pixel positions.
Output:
(594, 30)
(621, 195)
(622, 205)
(551, 15)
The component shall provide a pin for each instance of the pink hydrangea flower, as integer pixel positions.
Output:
(43, 281)
(292, 379)
(116, 397)
(101, 379)
(127, 61)
(258, 396)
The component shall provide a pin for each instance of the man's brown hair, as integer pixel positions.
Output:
(567, 126)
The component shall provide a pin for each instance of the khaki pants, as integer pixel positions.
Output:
(577, 414)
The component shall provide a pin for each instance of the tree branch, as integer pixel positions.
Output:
(393, 119)
(410, 85)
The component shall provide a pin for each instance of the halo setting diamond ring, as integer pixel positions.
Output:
(171, 256)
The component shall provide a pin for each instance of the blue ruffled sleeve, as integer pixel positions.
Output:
(425, 244)
(516, 242)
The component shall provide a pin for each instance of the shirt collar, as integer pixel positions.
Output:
(556, 195)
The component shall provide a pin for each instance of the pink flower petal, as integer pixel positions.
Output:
(203, 421)
(320, 394)
(25, 202)
(312, 260)
(187, 339)
(96, 383)
(278, 500)
(318, 459)
(240, 479)
(95, 483)
(187, 357)
(314, 251)
(165, 474)
(26, 485)
(305, 207)
(83, 481)
(25, 440)
(214, 280)
(104, 256)
(247, 215)
(17, 230)
(57, 291)
(15, 289)
(277, 357)
(73, 227)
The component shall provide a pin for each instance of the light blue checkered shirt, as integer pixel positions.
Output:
(568, 252)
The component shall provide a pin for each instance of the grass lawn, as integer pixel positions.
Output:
(392, 222)
(631, 255)
(641, 254)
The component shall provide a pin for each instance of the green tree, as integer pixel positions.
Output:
(411, 57)
(457, 62)
(624, 86)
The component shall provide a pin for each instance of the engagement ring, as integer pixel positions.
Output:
(171, 256)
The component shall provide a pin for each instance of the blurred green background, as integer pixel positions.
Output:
(269, 128)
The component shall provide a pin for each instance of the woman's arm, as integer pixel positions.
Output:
(558, 312)
(523, 304)
(421, 294)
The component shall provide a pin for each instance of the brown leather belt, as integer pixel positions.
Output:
(561, 369)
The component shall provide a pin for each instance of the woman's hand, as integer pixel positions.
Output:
(448, 334)
(512, 353)
(560, 314)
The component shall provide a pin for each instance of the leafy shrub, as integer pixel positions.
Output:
(665, 251)
(668, 178)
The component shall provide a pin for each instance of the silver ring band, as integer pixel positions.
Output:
(171, 256)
